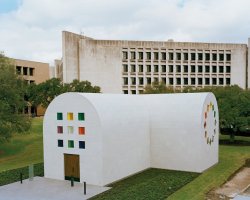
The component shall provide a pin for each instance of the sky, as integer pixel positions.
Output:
(32, 29)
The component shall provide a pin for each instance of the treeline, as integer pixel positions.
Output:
(233, 103)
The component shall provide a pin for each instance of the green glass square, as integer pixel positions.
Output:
(71, 144)
(59, 116)
(81, 117)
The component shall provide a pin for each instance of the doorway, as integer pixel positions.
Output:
(71, 167)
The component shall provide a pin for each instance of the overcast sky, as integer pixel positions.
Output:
(31, 29)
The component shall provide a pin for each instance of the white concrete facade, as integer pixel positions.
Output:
(125, 134)
(120, 66)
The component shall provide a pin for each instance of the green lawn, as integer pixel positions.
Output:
(231, 158)
(23, 149)
(151, 184)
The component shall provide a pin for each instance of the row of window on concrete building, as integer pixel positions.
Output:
(177, 68)
(201, 56)
(142, 81)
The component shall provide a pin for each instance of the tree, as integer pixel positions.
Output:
(44, 93)
(157, 88)
(12, 101)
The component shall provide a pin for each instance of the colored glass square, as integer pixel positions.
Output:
(60, 143)
(59, 116)
(70, 129)
(81, 144)
(71, 144)
(81, 117)
(70, 116)
(81, 130)
(59, 129)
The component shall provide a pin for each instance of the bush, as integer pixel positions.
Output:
(11, 176)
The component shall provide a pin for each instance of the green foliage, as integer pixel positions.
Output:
(157, 88)
(12, 90)
(11, 176)
(150, 184)
(44, 93)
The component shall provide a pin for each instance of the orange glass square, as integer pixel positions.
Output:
(81, 130)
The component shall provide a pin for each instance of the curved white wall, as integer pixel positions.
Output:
(129, 133)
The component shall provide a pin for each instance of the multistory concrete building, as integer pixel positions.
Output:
(33, 72)
(121, 66)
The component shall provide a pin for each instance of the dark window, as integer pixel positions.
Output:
(221, 81)
(133, 55)
(133, 91)
(170, 68)
(19, 70)
(207, 56)
(125, 91)
(221, 69)
(228, 81)
(125, 81)
(171, 56)
(124, 55)
(200, 56)
(207, 69)
(60, 143)
(148, 81)
(156, 56)
(140, 68)
(156, 80)
(70, 143)
(200, 68)
(141, 82)
(178, 68)
(163, 68)
(171, 81)
(214, 69)
(185, 80)
(228, 69)
(133, 69)
(221, 57)
(164, 80)
(192, 56)
(156, 68)
(185, 55)
(25, 71)
(199, 81)
(185, 68)
(192, 81)
(31, 72)
(178, 81)
(81, 144)
(178, 56)
(140, 55)
(193, 68)
(148, 68)
(163, 56)
(207, 81)
(133, 81)
(148, 55)
(214, 81)
(214, 56)
(228, 57)
(125, 68)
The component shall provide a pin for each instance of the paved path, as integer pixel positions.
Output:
(43, 188)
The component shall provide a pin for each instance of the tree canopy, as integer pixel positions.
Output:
(12, 103)
(44, 93)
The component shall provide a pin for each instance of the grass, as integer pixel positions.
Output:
(150, 184)
(23, 149)
(231, 158)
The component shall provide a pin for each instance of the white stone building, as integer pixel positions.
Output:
(120, 66)
(102, 138)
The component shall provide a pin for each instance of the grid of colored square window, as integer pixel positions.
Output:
(70, 116)
(71, 144)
